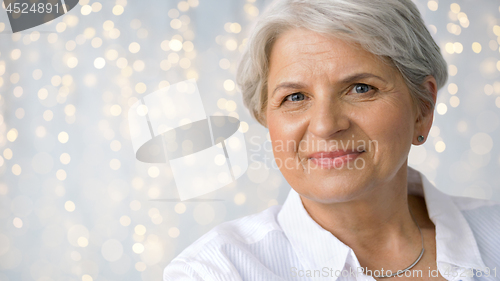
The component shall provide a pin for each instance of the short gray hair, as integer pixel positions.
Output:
(390, 29)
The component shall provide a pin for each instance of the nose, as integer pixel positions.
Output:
(328, 118)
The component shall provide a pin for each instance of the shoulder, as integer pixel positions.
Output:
(469, 203)
(206, 255)
(483, 218)
(479, 213)
(245, 230)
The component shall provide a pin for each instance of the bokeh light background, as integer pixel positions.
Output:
(75, 204)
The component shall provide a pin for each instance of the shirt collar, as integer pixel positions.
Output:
(455, 242)
(317, 248)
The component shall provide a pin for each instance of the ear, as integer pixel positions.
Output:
(423, 122)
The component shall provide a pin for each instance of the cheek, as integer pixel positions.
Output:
(285, 135)
(282, 139)
(390, 124)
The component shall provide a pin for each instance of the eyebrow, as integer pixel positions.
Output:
(347, 80)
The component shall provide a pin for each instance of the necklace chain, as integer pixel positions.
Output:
(416, 261)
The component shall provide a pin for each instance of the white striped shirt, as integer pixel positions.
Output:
(285, 243)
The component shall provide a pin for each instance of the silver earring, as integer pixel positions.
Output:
(420, 138)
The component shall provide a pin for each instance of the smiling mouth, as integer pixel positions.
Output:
(334, 154)
(334, 159)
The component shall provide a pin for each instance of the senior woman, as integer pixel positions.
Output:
(345, 87)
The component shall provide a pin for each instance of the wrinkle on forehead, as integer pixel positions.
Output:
(325, 54)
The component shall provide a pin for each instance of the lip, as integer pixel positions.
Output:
(333, 154)
(333, 159)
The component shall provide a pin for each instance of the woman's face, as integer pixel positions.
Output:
(325, 95)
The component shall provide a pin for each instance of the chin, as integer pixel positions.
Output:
(331, 189)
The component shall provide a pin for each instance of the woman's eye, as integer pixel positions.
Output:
(362, 88)
(295, 97)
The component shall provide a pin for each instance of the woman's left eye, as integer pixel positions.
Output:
(361, 88)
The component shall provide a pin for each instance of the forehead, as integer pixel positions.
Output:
(301, 50)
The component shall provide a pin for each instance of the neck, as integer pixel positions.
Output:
(377, 221)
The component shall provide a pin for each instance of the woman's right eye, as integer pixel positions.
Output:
(295, 97)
